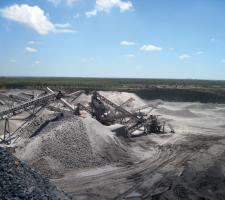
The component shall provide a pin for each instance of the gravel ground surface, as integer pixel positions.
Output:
(81, 155)
(20, 182)
(186, 165)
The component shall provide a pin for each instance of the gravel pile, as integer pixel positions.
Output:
(18, 181)
(37, 124)
(65, 144)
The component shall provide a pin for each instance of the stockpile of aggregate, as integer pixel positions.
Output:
(37, 124)
(68, 144)
(19, 182)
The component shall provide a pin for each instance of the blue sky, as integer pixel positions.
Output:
(113, 38)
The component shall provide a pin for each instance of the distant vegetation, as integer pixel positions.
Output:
(166, 89)
(181, 95)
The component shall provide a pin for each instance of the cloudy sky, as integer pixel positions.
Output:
(113, 38)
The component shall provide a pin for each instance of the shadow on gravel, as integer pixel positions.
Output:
(20, 182)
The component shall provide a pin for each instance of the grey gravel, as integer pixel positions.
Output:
(67, 142)
(60, 146)
(19, 182)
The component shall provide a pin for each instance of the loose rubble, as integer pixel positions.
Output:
(67, 144)
(85, 159)
(19, 182)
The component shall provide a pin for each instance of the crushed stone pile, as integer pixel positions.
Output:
(35, 126)
(19, 181)
(66, 144)
(104, 143)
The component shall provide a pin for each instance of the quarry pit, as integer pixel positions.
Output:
(87, 159)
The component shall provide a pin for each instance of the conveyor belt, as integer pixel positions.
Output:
(27, 105)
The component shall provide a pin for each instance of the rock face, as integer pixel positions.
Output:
(18, 181)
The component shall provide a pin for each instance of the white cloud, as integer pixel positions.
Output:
(31, 50)
(171, 49)
(33, 17)
(107, 5)
(67, 2)
(66, 25)
(126, 43)
(199, 52)
(64, 28)
(91, 13)
(150, 47)
(184, 56)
